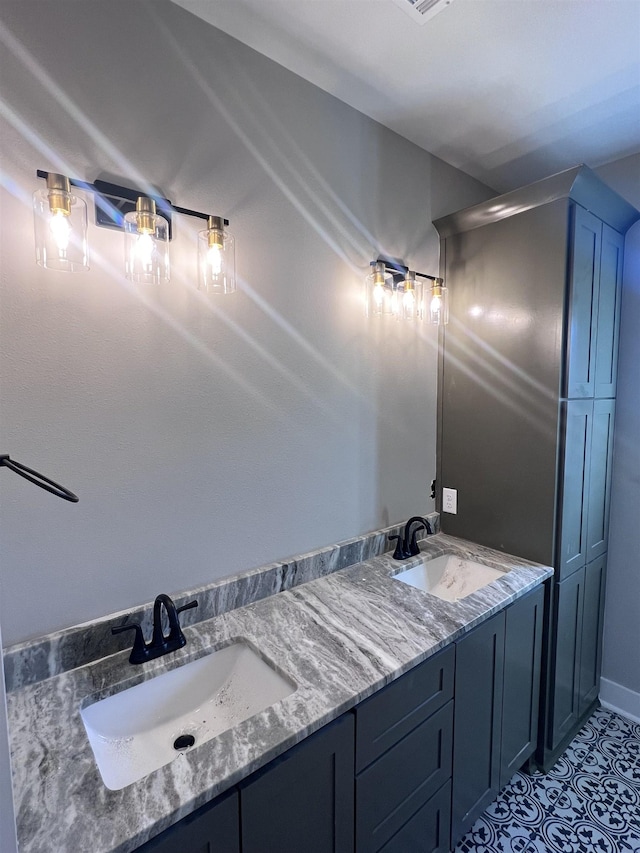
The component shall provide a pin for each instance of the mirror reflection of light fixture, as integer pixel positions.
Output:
(145, 217)
(146, 244)
(392, 288)
(216, 258)
(439, 305)
(60, 226)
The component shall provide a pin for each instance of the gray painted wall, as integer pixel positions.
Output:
(203, 437)
(621, 655)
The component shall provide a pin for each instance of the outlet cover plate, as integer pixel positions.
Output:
(450, 501)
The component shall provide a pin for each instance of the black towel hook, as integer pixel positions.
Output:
(37, 478)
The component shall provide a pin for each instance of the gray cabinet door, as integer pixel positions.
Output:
(591, 649)
(582, 314)
(214, 828)
(574, 487)
(601, 464)
(521, 693)
(609, 299)
(303, 801)
(565, 712)
(477, 722)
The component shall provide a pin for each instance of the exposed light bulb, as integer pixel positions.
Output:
(214, 260)
(409, 300)
(144, 247)
(378, 295)
(60, 230)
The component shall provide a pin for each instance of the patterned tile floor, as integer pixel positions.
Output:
(588, 803)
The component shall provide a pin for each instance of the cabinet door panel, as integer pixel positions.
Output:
(576, 419)
(609, 299)
(566, 665)
(305, 800)
(215, 828)
(582, 314)
(478, 722)
(601, 463)
(592, 616)
(521, 695)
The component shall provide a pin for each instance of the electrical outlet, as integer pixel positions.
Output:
(450, 501)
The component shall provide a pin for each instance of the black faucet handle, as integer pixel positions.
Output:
(188, 606)
(134, 626)
(139, 650)
(399, 553)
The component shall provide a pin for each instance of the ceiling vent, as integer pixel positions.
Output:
(423, 10)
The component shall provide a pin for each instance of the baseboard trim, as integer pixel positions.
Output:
(620, 699)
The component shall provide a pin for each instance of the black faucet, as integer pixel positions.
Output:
(160, 644)
(407, 545)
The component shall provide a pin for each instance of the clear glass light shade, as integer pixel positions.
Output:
(439, 304)
(216, 258)
(379, 291)
(146, 248)
(60, 227)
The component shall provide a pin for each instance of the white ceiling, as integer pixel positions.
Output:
(509, 91)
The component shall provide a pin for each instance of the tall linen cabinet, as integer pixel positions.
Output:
(527, 385)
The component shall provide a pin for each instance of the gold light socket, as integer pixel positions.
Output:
(145, 215)
(436, 288)
(379, 275)
(410, 281)
(215, 232)
(59, 195)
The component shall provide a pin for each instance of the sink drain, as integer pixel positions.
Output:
(184, 742)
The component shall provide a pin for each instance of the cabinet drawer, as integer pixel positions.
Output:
(429, 830)
(387, 717)
(392, 790)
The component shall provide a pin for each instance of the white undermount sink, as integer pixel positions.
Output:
(136, 731)
(449, 577)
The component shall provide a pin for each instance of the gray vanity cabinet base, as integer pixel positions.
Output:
(497, 690)
(215, 828)
(303, 801)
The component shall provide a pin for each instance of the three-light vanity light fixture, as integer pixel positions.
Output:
(60, 222)
(392, 288)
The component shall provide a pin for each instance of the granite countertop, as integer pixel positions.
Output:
(340, 638)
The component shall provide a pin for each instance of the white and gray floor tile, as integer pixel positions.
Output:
(588, 803)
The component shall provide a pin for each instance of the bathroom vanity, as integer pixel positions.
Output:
(408, 713)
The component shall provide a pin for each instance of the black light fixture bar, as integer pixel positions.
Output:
(113, 202)
(398, 270)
